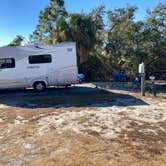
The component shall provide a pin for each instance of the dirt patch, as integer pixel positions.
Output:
(117, 128)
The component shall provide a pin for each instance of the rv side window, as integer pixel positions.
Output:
(35, 59)
(7, 63)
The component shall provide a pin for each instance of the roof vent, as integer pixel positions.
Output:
(38, 47)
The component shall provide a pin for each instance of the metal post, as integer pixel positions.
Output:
(143, 84)
(154, 89)
(153, 86)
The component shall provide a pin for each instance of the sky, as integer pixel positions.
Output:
(19, 17)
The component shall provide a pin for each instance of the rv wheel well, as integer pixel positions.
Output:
(37, 82)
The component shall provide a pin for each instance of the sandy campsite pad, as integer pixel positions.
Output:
(82, 126)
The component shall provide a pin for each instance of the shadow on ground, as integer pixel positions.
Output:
(132, 87)
(71, 97)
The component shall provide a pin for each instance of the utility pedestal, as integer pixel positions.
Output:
(142, 73)
(143, 84)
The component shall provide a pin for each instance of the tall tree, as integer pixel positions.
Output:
(124, 37)
(155, 38)
(47, 29)
(83, 32)
(97, 65)
(17, 41)
(55, 25)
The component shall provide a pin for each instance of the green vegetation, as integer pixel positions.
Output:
(107, 44)
(17, 41)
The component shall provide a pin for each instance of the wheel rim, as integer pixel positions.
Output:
(39, 86)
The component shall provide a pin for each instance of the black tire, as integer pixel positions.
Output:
(39, 86)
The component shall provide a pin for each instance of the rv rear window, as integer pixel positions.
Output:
(7, 63)
(35, 59)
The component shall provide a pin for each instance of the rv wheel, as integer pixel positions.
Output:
(39, 86)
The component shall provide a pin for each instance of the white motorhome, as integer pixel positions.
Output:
(38, 66)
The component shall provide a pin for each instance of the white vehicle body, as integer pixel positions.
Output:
(19, 67)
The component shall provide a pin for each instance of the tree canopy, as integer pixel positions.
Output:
(17, 41)
(107, 41)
